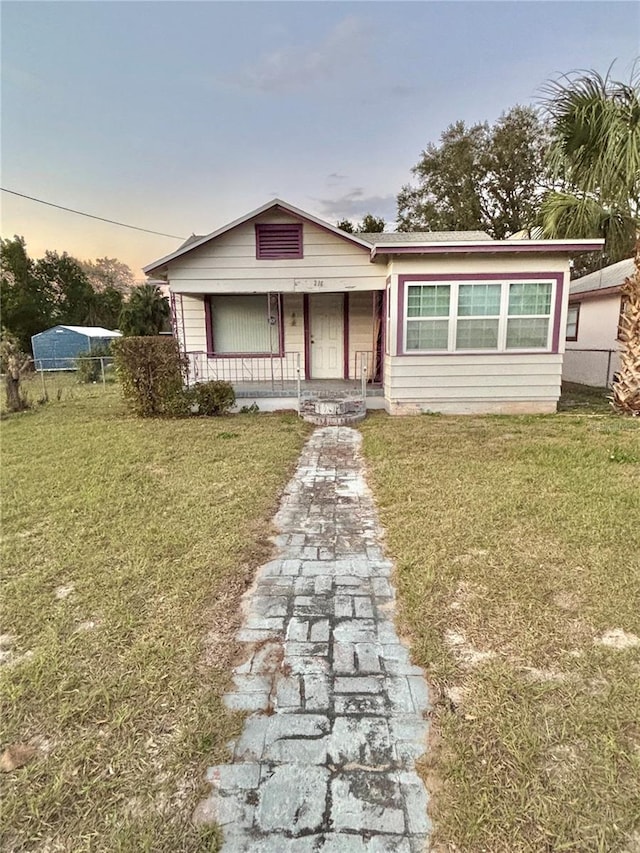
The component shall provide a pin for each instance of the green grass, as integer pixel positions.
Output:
(154, 528)
(520, 537)
(57, 386)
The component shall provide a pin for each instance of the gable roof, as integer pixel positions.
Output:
(87, 331)
(277, 204)
(607, 278)
(394, 242)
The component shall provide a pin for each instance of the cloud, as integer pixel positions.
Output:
(354, 205)
(400, 90)
(294, 68)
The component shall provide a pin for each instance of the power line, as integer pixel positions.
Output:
(89, 215)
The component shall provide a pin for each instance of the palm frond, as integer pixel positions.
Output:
(595, 126)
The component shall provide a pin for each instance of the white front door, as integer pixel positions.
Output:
(327, 335)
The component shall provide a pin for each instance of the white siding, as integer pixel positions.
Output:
(360, 330)
(597, 330)
(190, 323)
(228, 264)
(466, 383)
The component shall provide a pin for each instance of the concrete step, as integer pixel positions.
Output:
(333, 411)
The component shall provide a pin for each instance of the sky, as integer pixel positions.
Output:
(182, 116)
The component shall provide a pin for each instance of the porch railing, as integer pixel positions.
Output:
(274, 371)
(363, 360)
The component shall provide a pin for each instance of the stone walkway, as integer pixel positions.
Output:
(326, 758)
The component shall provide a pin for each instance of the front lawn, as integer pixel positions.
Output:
(126, 547)
(517, 542)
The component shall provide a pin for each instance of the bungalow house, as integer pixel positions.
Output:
(283, 304)
(593, 318)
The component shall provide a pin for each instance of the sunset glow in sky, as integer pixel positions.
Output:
(181, 116)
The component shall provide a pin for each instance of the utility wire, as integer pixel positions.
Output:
(90, 215)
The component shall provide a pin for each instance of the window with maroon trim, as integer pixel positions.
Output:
(454, 316)
(244, 324)
(278, 242)
(573, 318)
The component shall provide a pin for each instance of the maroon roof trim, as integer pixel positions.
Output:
(488, 247)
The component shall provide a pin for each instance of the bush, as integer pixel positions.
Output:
(213, 398)
(210, 399)
(151, 371)
(88, 367)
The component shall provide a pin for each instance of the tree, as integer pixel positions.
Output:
(105, 307)
(479, 177)
(27, 302)
(146, 312)
(626, 386)
(594, 156)
(370, 225)
(68, 287)
(105, 273)
(13, 362)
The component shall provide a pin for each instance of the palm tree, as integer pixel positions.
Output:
(626, 387)
(145, 313)
(595, 160)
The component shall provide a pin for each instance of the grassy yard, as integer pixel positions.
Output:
(126, 547)
(517, 543)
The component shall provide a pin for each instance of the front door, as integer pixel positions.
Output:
(326, 335)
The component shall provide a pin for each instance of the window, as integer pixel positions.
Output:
(465, 316)
(573, 315)
(244, 324)
(275, 242)
(529, 313)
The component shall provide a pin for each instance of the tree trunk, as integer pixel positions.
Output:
(15, 402)
(626, 388)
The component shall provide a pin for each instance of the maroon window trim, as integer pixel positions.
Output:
(278, 242)
(211, 350)
(574, 305)
(519, 276)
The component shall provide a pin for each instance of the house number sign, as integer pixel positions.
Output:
(308, 284)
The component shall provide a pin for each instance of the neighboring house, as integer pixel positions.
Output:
(434, 321)
(593, 318)
(57, 348)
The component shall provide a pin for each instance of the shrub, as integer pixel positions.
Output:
(88, 367)
(213, 398)
(151, 371)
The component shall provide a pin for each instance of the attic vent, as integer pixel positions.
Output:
(278, 241)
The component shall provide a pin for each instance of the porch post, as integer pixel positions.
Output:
(345, 321)
(307, 336)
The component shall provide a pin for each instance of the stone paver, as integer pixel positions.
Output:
(326, 759)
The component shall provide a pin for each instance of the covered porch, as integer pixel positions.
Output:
(285, 344)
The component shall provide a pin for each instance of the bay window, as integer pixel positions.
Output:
(478, 316)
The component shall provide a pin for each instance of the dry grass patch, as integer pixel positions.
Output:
(126, 547)
(517, 543)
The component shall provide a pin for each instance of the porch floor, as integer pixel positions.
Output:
(332, 387)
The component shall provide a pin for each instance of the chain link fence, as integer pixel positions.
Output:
(590, 366)
(65, 379)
